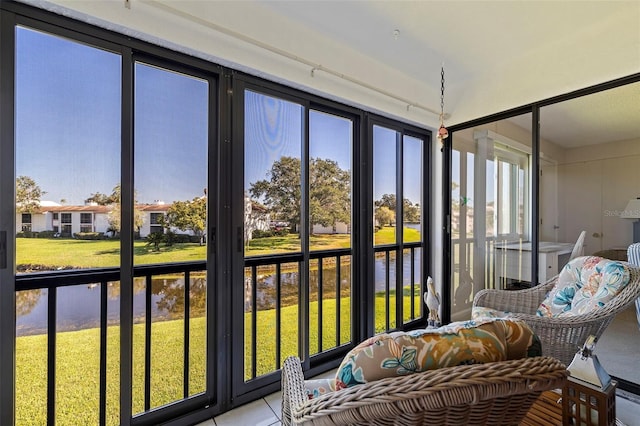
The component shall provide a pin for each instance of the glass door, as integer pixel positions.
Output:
(490, 210)
(589, 175)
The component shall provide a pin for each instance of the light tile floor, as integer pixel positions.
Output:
(266, 411)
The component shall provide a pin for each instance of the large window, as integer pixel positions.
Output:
(131, 232)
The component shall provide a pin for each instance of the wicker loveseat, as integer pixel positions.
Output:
(561, 336)
(496, 393)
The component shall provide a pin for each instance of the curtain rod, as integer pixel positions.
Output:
(314, 66)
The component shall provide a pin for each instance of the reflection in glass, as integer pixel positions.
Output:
(67, 152)
(171, 114)
(491, 210)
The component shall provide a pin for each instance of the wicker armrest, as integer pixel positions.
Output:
(292, 384)
(526, 301)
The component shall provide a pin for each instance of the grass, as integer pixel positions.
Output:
(77, 361)
(59, 252)
(56, 252)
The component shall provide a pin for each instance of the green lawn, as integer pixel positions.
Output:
(59, 252)
(77, 368)
(56, 252)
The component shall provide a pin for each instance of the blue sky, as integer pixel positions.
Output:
(68, 128)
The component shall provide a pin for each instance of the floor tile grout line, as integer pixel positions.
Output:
(272, 410)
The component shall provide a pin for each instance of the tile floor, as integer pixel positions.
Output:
(266, 411)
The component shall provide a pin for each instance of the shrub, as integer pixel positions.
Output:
(89, 235)
(46, 234)
(281, 232)
(262, 234)
(154, 239)
(170, 238)
(182, 238)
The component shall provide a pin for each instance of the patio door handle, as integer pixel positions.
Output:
(3, 249)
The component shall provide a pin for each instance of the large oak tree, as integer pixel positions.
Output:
(329, 192)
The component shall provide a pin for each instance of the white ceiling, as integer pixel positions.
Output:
(497, 54)
(533, 40)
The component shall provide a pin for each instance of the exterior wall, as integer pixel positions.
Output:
(101, 222)
(341, 228)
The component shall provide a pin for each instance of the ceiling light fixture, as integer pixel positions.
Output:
(443, 133)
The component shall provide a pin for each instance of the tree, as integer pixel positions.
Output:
(28, 195)
(387, 200)
(410, 212)
(385, 216)
(329, 191)
(188, 216)
(115, 213)
(281, 192)
(103, 199)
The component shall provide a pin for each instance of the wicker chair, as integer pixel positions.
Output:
(561, 337)
(497, 393)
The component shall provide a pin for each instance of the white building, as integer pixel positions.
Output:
(65, 221)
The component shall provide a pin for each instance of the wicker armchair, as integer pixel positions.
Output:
(561, 337)
(497, 393)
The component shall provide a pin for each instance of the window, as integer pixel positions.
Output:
(26, 222)
(65, 221)
(511, 183)
(156, 223)
(86, 222)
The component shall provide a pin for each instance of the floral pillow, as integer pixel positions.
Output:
(584, 284)
(468, 342)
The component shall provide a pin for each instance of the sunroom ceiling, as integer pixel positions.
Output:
(497, 54)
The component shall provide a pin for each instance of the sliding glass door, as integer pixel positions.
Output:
(490, 211)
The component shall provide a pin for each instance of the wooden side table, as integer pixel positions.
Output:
(546, 411)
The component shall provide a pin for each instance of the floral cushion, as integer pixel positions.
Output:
(584, 284)
(465, 342)
(316, 387)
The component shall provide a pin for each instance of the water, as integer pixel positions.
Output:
(78, 307)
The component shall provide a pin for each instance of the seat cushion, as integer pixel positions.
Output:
(584, 284)
(465, 342)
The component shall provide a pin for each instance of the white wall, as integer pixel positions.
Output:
(594, 185)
